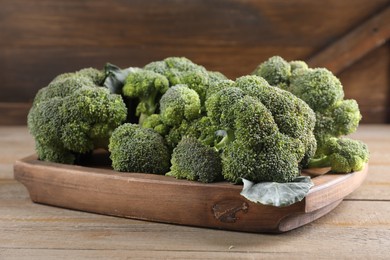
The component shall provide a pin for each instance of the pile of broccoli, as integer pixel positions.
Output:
(336, 117)
(174, 117)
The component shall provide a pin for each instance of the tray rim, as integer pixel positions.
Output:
(322, 198)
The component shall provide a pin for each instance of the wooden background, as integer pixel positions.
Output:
(40, 39)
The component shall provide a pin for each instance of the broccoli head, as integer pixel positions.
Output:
(179, 103)
(319, 88)
(293, 116)
(137, 149)
(73, 116)
(147, 87)
(342, 155)
(323, 92)
(195, 161)
(275, 70)
(276, 159)
(252, 146)
(154, 122)
(180, 70)
(297, 65)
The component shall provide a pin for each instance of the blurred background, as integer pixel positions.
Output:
(40, 39)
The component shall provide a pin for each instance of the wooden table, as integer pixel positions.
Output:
(359, 228)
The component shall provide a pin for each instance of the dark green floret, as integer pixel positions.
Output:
(275, 70)
(73, 116)
(195, 161)
(136, 149)
(319, 88)
(252, 147)
(323, 92)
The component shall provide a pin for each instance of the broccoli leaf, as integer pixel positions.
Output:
(115, 77)
(277, 194)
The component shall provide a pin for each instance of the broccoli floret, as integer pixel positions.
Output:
(95, 75)
(275, 160)
(176, 133)
(323, 92)
(147, 87)
(154, 122)
(179, 103)
(179, 70)
(174, 68)
(341, 119)
(137, 149)
(216, 86)
(297, 65)
(275, 70)
(220, 108)
(292, 115)
(195, 161)
(73, 116)
(319, 88)
(203, 129)
(342, 155)
(252, 146)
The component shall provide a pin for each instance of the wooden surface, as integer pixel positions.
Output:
(41, 39)
(165, 199)
(353, 46)
(359, 228)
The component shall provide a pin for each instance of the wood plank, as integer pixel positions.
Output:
(55, 231)
(14, 113)
(40, 65)
(142, 24)
(43, 39)
(368, 82)
(356, 44)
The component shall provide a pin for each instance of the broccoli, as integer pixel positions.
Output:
(137, 149)
(179, 103)
(180, 70)
(343, 155)
(195, 161)
(202, 128)
(297, 65)
(154, 122)
(216, 86)
(97, 76)
(293, 116)
(147, 87)
(319, 88)
(323, 92)
(73, 116)
(275, 70)
(252, 146)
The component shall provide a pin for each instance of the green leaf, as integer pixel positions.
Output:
(277, 194)
(116, 77)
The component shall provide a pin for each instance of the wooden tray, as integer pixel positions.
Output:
(96, 188)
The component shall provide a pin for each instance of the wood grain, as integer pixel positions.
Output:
(368, 82)
(165, 199)
(41, 39)
(359, 228)
(354, 45)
